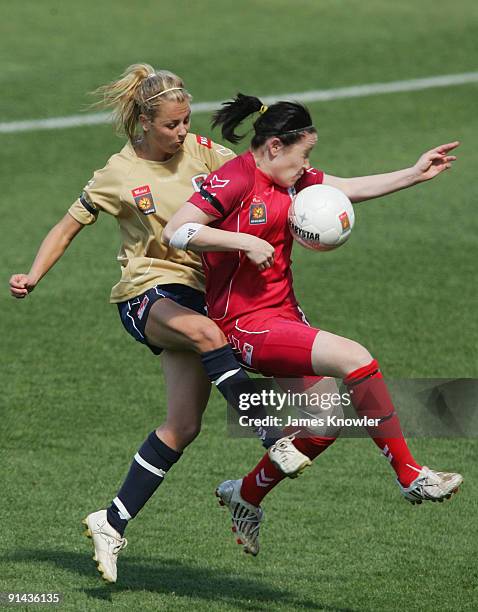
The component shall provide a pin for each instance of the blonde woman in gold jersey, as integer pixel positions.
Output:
(160, 295)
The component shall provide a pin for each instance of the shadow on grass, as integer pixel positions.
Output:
(177, 578)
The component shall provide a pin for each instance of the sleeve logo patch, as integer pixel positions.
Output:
(224, 151)
(257, 212)
(216, 183)
(144, 199)
(205, 142)
(198, 180)
(345, 221)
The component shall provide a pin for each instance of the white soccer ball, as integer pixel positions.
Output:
(321, 218)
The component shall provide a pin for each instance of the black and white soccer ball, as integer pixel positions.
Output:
(321, 218)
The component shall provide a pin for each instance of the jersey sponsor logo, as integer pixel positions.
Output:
(198, 180)
(205, 142)
(142, 307)
(345, 221)
(216, 183)
(257, 212)
(144, 199)
(247, 350)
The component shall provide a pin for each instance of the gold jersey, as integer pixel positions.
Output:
(143, 195)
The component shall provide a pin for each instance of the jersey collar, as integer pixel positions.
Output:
(263, 181)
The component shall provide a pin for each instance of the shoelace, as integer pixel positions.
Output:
(249, 523)
(427, 481)
(248, 516)
(283, 445)
(123, 544)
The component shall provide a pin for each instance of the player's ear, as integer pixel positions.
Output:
(274, 145)
(145, 122)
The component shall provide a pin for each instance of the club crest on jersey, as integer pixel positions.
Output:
(257, 212)
(198, 180)
(144, 199)
(205, 142)
(345, 221)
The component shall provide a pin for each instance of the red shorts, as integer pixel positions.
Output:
(275, 342)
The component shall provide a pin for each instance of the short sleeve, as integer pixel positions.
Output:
(211, 153)
(101, 193)
(219, 156)
(312, 176)
(223, 190)
(83, 211)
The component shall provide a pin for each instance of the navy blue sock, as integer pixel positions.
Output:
(146, 473)
(226, 372)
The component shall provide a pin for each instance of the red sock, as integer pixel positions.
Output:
(371, 398)
(264, 477)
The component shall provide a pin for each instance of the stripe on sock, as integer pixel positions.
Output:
(123, 513)
(225, 376)
(147, 466)
(387, 417)
(387, 453)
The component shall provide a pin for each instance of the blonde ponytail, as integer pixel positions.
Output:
(138, 91)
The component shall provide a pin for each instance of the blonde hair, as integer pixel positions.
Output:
(139, 91)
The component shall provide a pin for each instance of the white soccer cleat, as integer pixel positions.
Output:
(107, 542)
(431, 486)
(287, 458)
(246, 518)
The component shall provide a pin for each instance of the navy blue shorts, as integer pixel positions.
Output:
(134, 313)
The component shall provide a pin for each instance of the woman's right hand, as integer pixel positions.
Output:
(21, 285)
(260, 252)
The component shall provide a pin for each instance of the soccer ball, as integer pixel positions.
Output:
(321, 218)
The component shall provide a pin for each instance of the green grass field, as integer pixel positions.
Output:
(79, 395)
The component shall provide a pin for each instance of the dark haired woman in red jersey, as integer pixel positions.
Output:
(250, 294)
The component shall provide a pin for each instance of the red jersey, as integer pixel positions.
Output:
(244, 199)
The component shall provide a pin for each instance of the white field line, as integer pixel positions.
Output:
(318, 95)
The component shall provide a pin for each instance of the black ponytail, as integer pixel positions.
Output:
(288, 121)
(233, 114)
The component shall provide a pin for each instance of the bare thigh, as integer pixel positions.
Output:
(175, 327)
(336, 356)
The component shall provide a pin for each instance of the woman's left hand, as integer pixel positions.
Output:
(433, 162)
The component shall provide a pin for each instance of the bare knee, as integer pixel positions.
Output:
(178, 436)
(206, 336)
(337, 356)
(357, 357)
